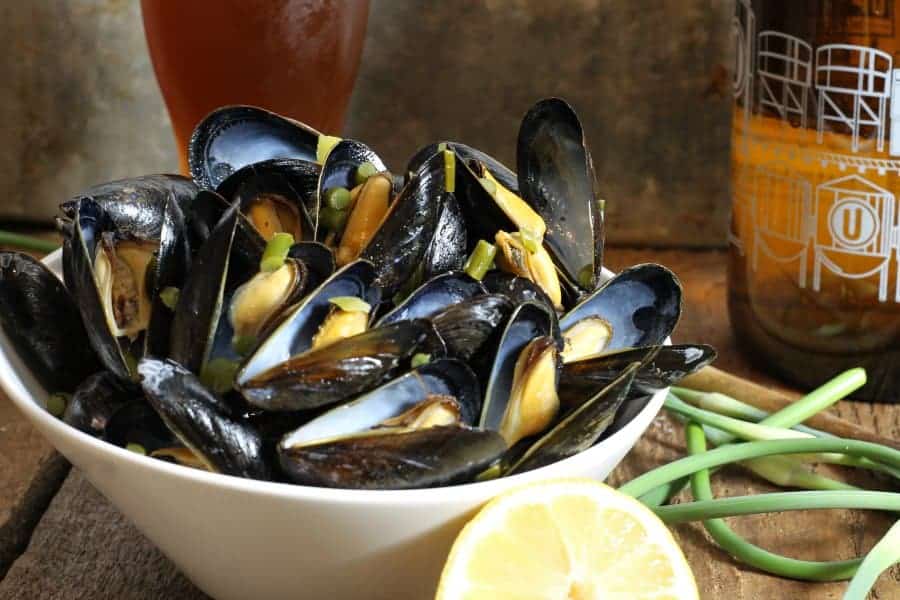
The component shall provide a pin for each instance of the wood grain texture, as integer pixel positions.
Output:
(83, 548)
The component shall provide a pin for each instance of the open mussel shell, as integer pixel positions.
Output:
(380, 460)
(294, 333)
(556, 177)
(43, 324)
(580, 429)
(336, 372)
(233, 137)
(398, 247)
(466, 327)
(641, 306)
(528, 322)
(443, 377)
(662, 366)
(137, 205)
(93, 228)
(275, 196)
(97, 399)
(339, 168)
(201, 420)
(433, 296)
(207, 212)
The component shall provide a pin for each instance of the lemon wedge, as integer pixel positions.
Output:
(572, 539)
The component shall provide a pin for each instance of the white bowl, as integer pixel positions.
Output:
(240, 538)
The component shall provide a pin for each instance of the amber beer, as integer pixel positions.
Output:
(814, 276)
(295, 57)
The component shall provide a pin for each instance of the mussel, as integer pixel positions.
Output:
(202, 421)
(97, 399)
(640, 306)
(42, 322)
(233, 137)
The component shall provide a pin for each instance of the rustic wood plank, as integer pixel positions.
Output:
(811, 535)
(83, 548)
(30, 473)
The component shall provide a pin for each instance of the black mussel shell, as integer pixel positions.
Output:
(448, 248)
(91, 223)
(339, 168)
(662, 366)
(517, 289)
(202, 421)
(276, 185)
(208, 210)
(336, 372)
(137, 205)
(556, 176)
(642, 305)
(233, 137)
(173, 260)
(43, 323)
(301, 177)
(398, 247)
(467, 326)
(137, 423)
(528, 321)
(580, 429)
(391, 461)
(96, 400)
(434, 296)
(200, 303)
(501, 172)
(319, 261)
(294, 333)
(442, 377)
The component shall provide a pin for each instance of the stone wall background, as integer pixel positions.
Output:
(649, 79)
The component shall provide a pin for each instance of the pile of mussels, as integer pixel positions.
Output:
(296, 312)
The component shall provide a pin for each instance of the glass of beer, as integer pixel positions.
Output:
(814, 281)
(294, 57)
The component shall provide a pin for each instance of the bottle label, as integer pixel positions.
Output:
(816, 153)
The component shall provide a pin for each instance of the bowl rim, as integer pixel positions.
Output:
(12, 383)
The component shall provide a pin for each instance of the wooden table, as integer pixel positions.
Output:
(59, 538)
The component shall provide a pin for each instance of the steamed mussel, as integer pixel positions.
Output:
(297, 312)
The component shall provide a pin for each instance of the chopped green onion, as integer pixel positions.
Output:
(130, 362)
(218, 374)
(601, 206)
(243, 344)
(420, 359)
(56, 404)
(338, 198)
(351, 304)
(136, 448)
(442, 146)
(324, 145)
(489, 185)
(879, 559)
(481, 259)
(276, 252)
(449, 171)
(27, 242)
(169, 296)
(331, 219)
(364, 171)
